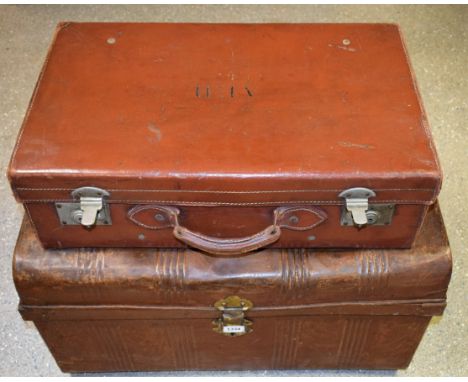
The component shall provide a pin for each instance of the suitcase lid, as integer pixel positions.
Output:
(185, 282)
(226, 113)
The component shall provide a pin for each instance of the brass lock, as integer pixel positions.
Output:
(232, 322)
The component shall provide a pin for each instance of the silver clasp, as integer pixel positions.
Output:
(357, 203)
(89, 209)
(357, 210)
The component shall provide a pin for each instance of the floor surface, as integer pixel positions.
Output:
(437, 39)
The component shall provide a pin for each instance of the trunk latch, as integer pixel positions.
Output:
(89, 209)
(232, 322)
(357, 210)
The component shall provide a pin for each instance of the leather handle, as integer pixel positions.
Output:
(294, 218)
(217, 246)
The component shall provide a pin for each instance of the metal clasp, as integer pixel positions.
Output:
(89, 209)
(357, 203)
(232, 322)
(357, 210)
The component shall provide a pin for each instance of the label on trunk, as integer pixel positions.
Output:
(234, 329)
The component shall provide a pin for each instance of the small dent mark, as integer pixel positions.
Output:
(345, 45)
(248, 91)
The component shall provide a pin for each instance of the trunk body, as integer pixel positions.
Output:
(145, 309)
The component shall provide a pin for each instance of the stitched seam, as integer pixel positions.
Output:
(424, 120)
(228, 192)
(31, 219)
(138, 210)
(420, 222)
(149, 226)
(33, 98)
(428, 133)
(303, 228)
(231, 240)
(321, 215)
(179, 202)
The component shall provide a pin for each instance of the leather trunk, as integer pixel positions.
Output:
(144, 309)
(226, 137)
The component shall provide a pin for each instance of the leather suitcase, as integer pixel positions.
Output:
(226, 138)
(145, 309)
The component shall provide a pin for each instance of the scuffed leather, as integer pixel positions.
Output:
(296, 218)
(269, 277)
(147, 309)
(225, 115)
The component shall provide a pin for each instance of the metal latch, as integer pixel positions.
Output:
(89, 209)
(357, 210)
(232, 322)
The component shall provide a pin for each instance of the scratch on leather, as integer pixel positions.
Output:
(356, 145)
(156, 131)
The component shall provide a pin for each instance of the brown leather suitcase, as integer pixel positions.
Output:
(145, 309)
(226, 137)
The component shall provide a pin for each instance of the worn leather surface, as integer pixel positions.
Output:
(269, 278)
(198, 115)
(224, 222)
(297, 218)
(146, 309)
(322, 342)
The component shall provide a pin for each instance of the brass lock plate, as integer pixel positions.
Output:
(232, 322)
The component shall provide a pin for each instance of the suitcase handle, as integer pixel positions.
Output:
(237, 246)
(294, 218)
